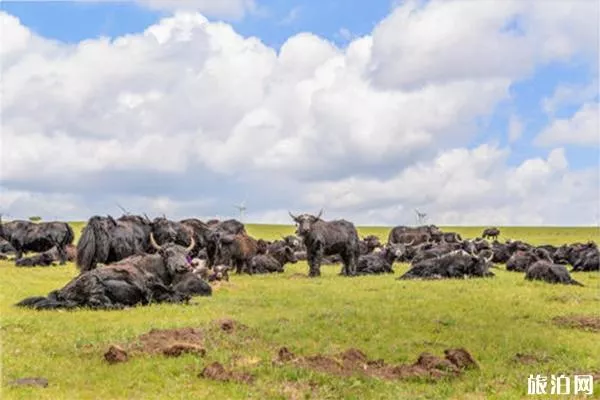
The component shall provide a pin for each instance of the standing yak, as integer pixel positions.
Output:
(326, 238)
(26, 236)
(105, 240)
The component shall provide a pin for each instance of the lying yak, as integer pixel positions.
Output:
(141, 279)
(47, 258)
(520, 261)
(547, 271)
(587, 261)
(368, 244)
(379, 261)
(273, 261)
(457, 264)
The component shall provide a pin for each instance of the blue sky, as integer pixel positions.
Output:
(340, 22)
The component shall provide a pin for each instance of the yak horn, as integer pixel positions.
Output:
(191, 246)
(153, 242)
(292, 215)
(411, 243)
(320, 213)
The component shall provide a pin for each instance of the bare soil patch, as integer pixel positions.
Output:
(584, 322)
(229, 325)
(217, 372)
(171, 342)
(355, 362)
(168, 342)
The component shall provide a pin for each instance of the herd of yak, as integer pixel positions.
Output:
(133, 260)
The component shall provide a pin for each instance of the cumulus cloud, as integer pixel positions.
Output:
(582, 129)
(185, 116)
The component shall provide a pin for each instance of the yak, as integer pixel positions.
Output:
(521, 260)
(421, 234)
(378, 262)
(325, 238)
(241, 248)
(47, 258)
(105, 240)
(167, 231)
(457, 264)
(26, 236)
(491, 233)
(135, 280)
(273, 261)
(215, 254)
(368, 244)
(547, 271)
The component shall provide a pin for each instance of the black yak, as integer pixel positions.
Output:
(328, 238)
(273, 261)
(141, 279)
(457, 264)
(547, 271)
(105, 240)
(491, 233)
(26, 236)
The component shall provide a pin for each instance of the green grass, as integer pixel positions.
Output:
(395, 320)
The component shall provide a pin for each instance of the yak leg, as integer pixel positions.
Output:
(349, 258)
(62, 254)
(239, 265)
(314, 263)
(248, 267)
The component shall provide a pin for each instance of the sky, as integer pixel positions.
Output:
(474, 112)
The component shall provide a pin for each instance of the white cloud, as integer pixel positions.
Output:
(582, 129)
(189, 109)
(568, 95)
(460, 39)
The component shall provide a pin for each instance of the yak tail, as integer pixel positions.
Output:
(69, 237)
(53, 301)
(93, 246)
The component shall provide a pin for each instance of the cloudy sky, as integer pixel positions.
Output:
(476, 112)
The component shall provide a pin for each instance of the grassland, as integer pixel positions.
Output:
(494, 319)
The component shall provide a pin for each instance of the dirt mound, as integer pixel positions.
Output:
(229, 325)
(168, 342)
(40, 382)
(115, 354)
(217, 372)
(585, 322)
(354, 361)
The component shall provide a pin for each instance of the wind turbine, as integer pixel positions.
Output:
(242, 207)
(421, 217)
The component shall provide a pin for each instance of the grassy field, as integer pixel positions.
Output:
(494, 319)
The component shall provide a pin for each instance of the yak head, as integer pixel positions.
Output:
(290, 256)
(305, 222)
(293, 241)
(480, 264)
(175, 257)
